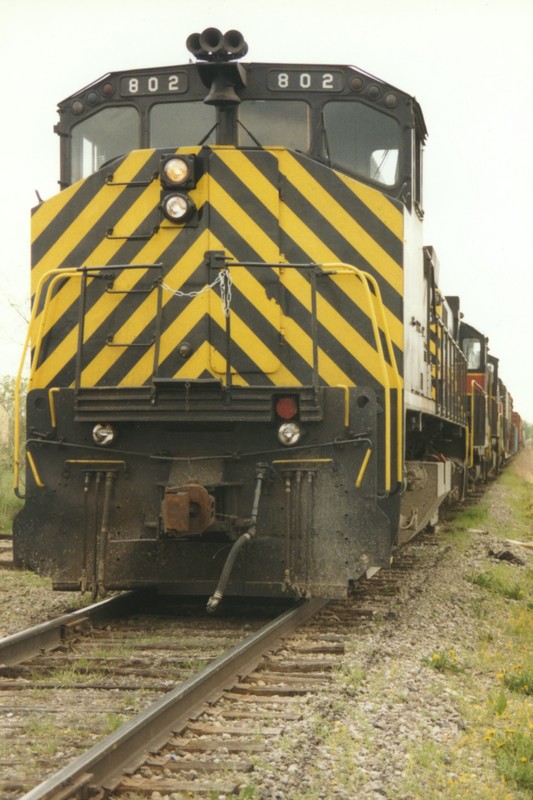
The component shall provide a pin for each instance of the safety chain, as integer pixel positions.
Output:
(223, 278)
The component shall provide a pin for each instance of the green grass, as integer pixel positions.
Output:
(475, 516)
(499, 580)
(520, 681)
(9, 503)
(521, 503)
(513, 753)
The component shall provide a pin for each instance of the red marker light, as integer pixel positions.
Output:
(286, 407)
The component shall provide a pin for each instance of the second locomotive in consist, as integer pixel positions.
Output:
(243, 369)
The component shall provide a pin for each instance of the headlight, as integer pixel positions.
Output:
(177, 207)
(289, 433)
(104, 434)
(178, 171)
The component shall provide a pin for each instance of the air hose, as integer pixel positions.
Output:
(216, 597)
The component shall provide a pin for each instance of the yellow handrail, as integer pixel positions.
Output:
(53, 276)
(376, 309)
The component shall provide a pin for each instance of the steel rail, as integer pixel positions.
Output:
(50, 635)
(104, 764)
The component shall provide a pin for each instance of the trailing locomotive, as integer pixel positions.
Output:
(244, 377)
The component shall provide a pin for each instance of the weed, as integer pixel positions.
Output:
(114, 721)
(479, 608)
(351, 677)
(500, 703)
(247, 793)
(472, 517)
(513, 752)
(521, 682)
(498, 583)
(45, 732)
(443, 661)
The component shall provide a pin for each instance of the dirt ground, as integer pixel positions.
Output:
(524, 464)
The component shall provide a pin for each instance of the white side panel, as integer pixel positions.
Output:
(417, 370)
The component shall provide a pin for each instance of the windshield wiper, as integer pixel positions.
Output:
(325, 138)
(250, 134)
(208, 134)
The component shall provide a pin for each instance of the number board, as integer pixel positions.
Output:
(309, 80)
(133, 85)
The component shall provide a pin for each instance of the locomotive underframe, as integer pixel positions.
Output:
(322, 521)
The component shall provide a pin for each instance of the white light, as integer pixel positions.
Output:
(289, 433)
(177, 207)
(176, 170)
(103, 434)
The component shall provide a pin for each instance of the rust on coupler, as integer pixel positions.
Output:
(188, 509)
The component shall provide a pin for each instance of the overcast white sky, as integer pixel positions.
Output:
(468, 62)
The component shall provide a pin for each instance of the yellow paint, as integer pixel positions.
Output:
(35, 473)
(92, 212)
(371, 251)
(361, 475)
(377, 203)
(241, 221)
(319, 253)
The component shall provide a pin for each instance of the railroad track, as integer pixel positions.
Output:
(67, 683)
(204, 736)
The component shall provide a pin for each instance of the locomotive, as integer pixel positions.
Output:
(244, 377)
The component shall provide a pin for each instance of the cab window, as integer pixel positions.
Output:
(176, 124)
(362, 140)
(105, 135)
(472, 351)
(268, 123)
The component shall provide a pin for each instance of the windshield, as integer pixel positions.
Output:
(104, 136)
(362, 140)
(356, 138)
(267, 123)
(177, 124)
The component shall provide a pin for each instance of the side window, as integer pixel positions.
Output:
(362, 140)
(419, 174)
(472, 351)
(101, 137)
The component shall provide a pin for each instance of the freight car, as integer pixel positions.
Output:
(244, 376)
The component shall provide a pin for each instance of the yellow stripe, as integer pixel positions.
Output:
(229, 209)
(89, 215)
(337, 325)
(371, 251)
(328, 370)
(102, 254)
(47, 211)
(261, 355)
(137, 322)
(253, 178)
(318, 252)
(172, 336)
(377, 203)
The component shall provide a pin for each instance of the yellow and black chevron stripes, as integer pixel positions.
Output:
(261, 206)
